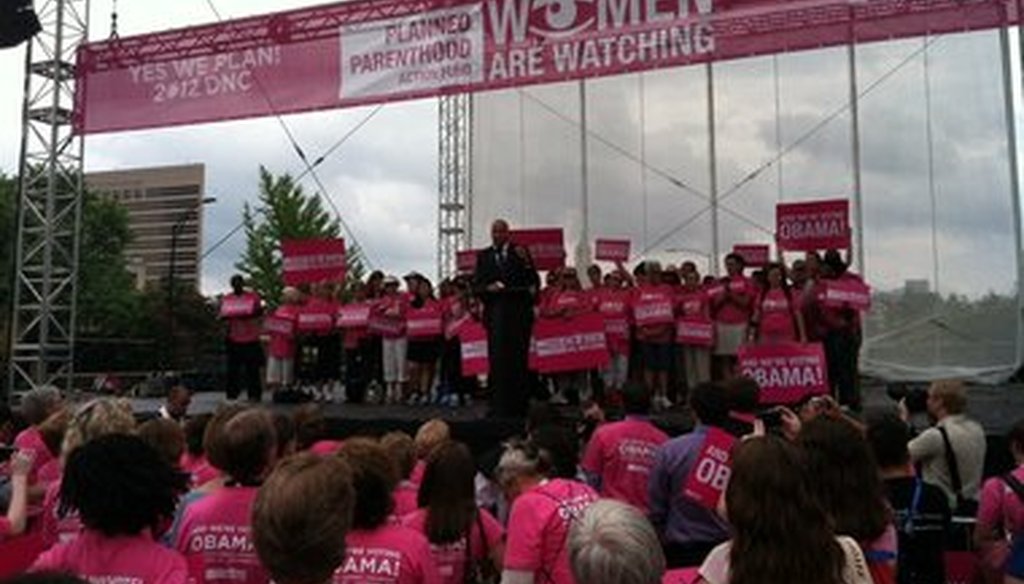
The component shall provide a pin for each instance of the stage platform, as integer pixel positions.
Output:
(997, 408)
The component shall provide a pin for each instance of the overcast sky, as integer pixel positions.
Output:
(383, 180)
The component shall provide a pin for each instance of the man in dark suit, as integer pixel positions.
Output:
(507, 282)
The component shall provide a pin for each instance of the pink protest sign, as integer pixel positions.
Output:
(695, 331)
(652, 307)
(422, 323)
(849, 293)
(241, 306)
(473, 339)
(612, 250)
(308, 261)
(465, 261)
(352, 316)
(547, 247)
(755, 256)
(279, 326)
(813, 225)
(786, 373)
(710, 474)
(315, 320)
(569, 344)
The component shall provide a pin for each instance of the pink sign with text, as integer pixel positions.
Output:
(695, 331)
(787, 373)
(547, 247)
(569, 344)
(421, 323)
(755, 256)
(612, 250)
(473, 339)
(846, 294)
(308, 261)
(811, 226)
(353, 316)
(709, 477)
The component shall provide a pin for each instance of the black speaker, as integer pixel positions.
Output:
(18, 22)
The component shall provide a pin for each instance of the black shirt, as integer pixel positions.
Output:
(922, 534)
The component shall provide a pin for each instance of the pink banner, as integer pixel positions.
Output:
(421, 323)
(353, 316)
(845, 294)
(709, 477)
(279, 326)
(241, 306)
(755, 256)
(309, 261)
(695, 331)
(569, 344)
(612, 250)
(374, 51)
(473, 339)
(465, 261)
(547, 247)
(813, 226)
(786, 373)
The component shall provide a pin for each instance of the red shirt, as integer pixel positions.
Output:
(406, 496)
(388, 316)
(390, 554)
(215, 537)
(728, 311)
(566, 303)
(614, 305)
(622, 454)
(31, 440)
(839, 318)
(243, 326)
(654, 313)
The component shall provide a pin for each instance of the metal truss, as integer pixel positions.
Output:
(455, 180)
(49, 203)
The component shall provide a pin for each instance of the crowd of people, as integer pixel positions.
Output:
(392, 344)
(249, 496)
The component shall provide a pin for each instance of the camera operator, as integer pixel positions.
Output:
(951, 454)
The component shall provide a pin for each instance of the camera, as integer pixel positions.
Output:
(915, 397)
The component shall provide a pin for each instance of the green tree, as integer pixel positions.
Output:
(284, 211)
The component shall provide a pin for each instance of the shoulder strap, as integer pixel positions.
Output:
(855, 569)
(1014, 484)
(954, 470)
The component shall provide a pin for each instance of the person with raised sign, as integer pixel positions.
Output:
(388, 318)
(653, 304)
(777, 318)
(506, 281)
(732, 301)
(620, 455)
(696, 331)
(689, 530)
(779, 531)
(424, 324)
(280, 326)
(242, 310)
(841, 325)
(568, 300)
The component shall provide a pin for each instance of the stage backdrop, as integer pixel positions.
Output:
(370, 51)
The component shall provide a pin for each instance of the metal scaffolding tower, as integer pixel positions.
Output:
(49, 203)
(455, 180)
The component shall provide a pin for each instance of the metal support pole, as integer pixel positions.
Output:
(858, 189)
(713, 163)
(1014, 168)
(583, 247)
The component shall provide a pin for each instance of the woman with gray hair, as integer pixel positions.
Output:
(36, 406)
(613, 543)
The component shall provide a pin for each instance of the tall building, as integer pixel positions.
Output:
(158, 199)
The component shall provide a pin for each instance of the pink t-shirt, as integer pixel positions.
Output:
(777, 318)
(199, 469)
(245, 329)
(390, 554)
(614, 306)
(50, 472)
(118, 560)
(282, 346)
(538, 529)
(622, 454)
(451, 557)
(693, 304)
(57, 529)
(999, 507)
(418, 471)
(729, 312)
(215, 536)
(405, 496)
(31, 439)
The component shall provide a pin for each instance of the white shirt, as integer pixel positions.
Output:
(967, 438)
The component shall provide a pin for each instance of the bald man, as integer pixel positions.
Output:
(507, 282)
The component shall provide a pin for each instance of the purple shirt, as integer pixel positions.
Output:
(677, 518)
